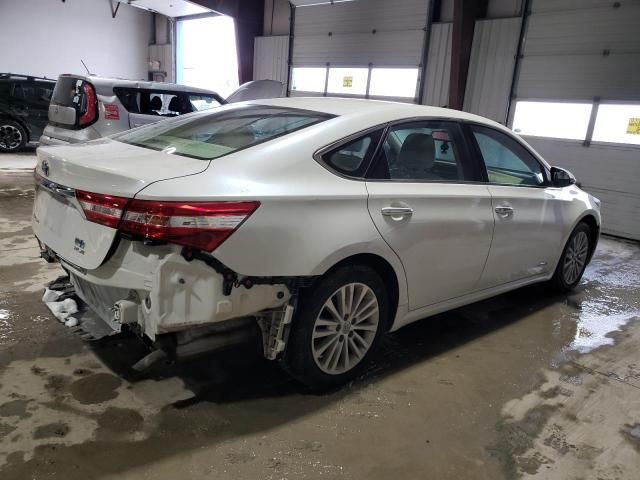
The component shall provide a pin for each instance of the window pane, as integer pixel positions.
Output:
(215, 134)
(308, 79)
(393, 82)
(618, 124)
(202, 102)
(421, 151)
(552, 119)
(507, 161)
(348, 80)
(349, 157)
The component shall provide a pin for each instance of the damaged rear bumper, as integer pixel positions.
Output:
(157, 289)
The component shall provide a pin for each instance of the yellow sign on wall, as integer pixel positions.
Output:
(634, 126)
(347, 81)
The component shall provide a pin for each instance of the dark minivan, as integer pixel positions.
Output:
(24, 104)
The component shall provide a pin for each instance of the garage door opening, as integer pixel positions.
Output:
(206, 55)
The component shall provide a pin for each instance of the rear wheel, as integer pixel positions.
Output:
(574, 259)
(337, 327)
(13, 136)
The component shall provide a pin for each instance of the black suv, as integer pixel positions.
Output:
(24, 105)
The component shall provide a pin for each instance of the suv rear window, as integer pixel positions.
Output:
(219, 133)
(67, 92)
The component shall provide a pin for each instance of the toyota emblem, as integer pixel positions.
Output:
(45, 168)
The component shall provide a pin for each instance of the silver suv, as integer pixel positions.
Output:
(85, 108)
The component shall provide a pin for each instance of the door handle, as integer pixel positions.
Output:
(504, 211)
(397, 212)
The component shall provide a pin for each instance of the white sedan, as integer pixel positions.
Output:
(318, 224)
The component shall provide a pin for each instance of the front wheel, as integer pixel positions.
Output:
(574, 259)
(337, 326)
(12, 136)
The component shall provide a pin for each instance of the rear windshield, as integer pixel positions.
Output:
(218, 133)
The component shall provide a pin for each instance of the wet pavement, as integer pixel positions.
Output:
(528, 384)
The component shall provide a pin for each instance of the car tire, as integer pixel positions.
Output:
(323, 350)
(13, 136)
(574, 259)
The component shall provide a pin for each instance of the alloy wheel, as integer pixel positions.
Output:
(10, 137)
(575, 257)
(345, 328)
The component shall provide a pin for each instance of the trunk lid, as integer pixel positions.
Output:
(104, 167)
(67, 101)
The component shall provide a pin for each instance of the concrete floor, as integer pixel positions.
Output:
(528, 384)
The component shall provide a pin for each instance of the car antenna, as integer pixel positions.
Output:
(85, 67)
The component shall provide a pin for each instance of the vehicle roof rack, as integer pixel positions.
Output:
(7, 75)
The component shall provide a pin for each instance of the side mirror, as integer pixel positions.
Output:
(561, 177)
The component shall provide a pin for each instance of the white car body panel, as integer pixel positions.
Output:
(116, 169)
(444, 243)
(452, 251)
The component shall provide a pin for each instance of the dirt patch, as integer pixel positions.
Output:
(51, 430)
(5, 430)
(15, 408)
(97, 388)
(516, 437)
(120, 420)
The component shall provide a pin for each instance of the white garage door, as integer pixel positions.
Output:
(368, 48)
(578, 99)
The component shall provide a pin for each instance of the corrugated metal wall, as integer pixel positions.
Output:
(610, 173)
(581, 49)
(578, 50)
(358, 33)
(270, 58)
(491, 69)
(436, 86)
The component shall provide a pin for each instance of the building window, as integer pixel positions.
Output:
(552, 119)
(351, 81)
(393, 82)
(308, 79)
(617, 123)
(196, 66)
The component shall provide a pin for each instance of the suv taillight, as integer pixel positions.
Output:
(201, 225)
(90, 114)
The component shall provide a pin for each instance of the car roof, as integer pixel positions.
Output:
(108, 83)
(21, 77)
(377, 111)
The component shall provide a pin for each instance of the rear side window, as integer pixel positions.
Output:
(507, 162)
(423, 151)
(215, 134)
(352, 158)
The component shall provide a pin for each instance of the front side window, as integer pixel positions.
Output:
(422, 151)
(506, 161)
(212, 135)
(202, 102)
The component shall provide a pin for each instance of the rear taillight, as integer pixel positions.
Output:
(103, 209)
(202, 225)
(90, 114)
